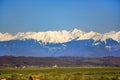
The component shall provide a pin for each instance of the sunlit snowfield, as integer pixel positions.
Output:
(66, 73)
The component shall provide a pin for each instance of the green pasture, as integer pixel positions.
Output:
(63, 73)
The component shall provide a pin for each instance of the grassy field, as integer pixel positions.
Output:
(78, 73)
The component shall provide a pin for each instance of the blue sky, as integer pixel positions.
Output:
(43, 15)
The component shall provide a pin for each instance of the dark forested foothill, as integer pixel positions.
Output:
(12, 61)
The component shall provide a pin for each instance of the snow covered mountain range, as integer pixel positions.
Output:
(61, 36)
(61, 43)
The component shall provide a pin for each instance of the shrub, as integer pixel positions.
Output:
(104, 78)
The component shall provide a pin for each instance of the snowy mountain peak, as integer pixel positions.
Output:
(75, 30)
(114, 35)
(61, 36)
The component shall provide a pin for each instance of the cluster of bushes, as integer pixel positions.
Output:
(61, 74)
(14, 77)
(54, 76)
(80, 77)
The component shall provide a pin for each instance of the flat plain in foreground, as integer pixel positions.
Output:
(62, 73)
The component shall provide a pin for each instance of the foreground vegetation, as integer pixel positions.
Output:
(78, 73)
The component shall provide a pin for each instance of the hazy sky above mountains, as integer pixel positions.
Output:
(43, 15)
